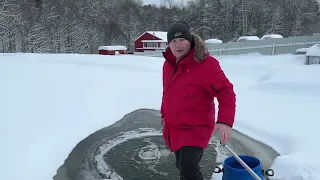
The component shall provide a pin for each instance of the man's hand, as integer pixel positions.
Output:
(225, 132)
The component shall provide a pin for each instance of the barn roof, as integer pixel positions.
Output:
(159, 34)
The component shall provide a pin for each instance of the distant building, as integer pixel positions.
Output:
(151, 41)
(112, 50)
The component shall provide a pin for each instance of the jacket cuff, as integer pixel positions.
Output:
(219, 122)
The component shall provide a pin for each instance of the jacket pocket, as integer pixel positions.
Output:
(194, 95)
(194, 119)
(192, 133)
(193, 126)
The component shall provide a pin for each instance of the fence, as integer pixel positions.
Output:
(265, 47)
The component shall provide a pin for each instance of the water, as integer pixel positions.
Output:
(124, 160)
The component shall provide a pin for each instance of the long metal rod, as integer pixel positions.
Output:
(242, 163)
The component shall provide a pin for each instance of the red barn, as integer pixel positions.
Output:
(112, 50)
(151, 41)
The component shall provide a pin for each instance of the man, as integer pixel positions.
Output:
(191, 80)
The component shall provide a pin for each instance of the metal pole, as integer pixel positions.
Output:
(242, 163)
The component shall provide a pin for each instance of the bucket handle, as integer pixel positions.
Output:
(268, 172)
(217, 169)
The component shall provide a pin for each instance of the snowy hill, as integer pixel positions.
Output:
(51, 102)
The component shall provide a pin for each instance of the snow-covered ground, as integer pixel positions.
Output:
(48, 103)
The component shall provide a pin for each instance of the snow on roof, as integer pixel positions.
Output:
(248, 38)
(213, 41)
(159, 34)
(314, 50)
(302, 50)
(112, 48)
(164, 41)
(267, 36)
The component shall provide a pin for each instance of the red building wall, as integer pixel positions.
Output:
(111, 52)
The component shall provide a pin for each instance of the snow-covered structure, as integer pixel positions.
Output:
(151, 41)
(271, 36)
(213, 41)
(302, 51)
(248, 38)
(112, 50)
(313, 55)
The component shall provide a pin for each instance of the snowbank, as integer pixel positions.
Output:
(278, 102)
(51, 102)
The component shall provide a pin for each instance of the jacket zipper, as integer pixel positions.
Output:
(214, 88)
(175, 70)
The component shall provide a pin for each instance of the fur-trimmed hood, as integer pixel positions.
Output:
(200, 49)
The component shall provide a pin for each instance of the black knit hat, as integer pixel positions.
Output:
(179, 29)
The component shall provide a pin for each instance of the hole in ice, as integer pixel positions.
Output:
(149, 153)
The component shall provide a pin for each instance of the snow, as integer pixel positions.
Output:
(302, 50)
(272, 36)
(278, 102)
(248, 38)
(160, 34)
(314, 50)
(111, 48)
(154, 41)
(49, 103)
(213, 41)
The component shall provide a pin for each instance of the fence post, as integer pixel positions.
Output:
(273, 46)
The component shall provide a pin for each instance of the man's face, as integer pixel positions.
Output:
(179, 47)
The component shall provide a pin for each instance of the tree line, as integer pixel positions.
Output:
(68, 26)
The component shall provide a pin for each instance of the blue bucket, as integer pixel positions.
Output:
(233, 170)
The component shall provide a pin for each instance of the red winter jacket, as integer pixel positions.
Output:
(189, 89)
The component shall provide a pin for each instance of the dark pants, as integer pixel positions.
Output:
(187, 161)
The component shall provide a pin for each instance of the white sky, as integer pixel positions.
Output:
(152, 1)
